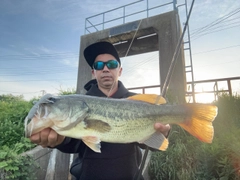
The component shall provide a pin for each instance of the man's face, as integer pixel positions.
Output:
(106, 77)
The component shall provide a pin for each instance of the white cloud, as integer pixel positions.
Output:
(45, 50)
(70, 62)
(30, 89)
(72, 13)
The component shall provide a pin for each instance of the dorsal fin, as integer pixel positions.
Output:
(150, 98)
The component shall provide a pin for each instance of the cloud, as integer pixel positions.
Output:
(69, 12)
(140, 70)
(33, 88)
(70, 62)
(206, 11)
(45, 50)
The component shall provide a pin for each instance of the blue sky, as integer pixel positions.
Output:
(40, 40)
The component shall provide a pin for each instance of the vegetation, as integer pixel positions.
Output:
(187, 158)
(67, 91)
(13, 110)
(12, 141)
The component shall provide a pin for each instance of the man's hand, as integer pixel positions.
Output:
(164, 129)
(47, 138)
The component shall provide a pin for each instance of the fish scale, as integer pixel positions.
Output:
(96, 119)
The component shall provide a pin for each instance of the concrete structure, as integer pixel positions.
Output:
(51, 164)
(161, 33)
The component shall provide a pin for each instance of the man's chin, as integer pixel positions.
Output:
(108, 83)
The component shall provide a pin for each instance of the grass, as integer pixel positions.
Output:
(12, 141)
(187, 158)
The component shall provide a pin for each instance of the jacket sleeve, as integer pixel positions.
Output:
(143, 146)
(70, 145)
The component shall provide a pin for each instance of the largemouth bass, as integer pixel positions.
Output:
(95, 119)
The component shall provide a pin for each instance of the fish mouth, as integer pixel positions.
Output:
(40, 114)
(28, 131)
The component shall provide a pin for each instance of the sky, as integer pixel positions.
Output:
(40, 41)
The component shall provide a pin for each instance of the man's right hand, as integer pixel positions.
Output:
(47, 138)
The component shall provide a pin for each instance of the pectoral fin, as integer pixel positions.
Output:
(97, 125)
(157, 141)
(93, 143)
(150, 98)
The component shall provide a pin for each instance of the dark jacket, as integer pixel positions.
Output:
(115, 162)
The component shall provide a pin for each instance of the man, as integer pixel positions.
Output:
(116, 161)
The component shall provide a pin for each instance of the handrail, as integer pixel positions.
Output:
(123, 16)
(215, 90)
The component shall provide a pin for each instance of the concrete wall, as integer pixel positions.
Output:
(53, 164)
(167, 29)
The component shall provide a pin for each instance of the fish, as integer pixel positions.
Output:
(99, 119)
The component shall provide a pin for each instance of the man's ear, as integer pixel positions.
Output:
(120, 71)
(93, 73)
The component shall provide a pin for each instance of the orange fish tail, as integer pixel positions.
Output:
(199, 123)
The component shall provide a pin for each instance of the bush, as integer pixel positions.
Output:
(12, 143)
(67, 91)
(13, 165)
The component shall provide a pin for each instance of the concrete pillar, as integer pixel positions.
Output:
(168, 37)
(166, 27)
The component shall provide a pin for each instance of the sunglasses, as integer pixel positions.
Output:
(111, 64)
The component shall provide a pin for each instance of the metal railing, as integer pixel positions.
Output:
(215, 88)
(216, 91)
(101, 21)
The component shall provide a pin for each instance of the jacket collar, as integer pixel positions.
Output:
(93, 90)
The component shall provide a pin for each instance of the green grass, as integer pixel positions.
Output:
(187, 158)
(13, 110)
(12, 141)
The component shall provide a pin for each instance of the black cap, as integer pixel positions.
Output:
(93, 50)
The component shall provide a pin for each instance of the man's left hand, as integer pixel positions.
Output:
(164, 129)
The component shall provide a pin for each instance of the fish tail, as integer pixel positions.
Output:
(199, 123)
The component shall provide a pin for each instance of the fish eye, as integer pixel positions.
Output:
(51, 99)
